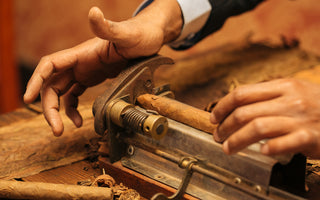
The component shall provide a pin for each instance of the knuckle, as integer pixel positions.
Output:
(238, 95)
(48, 61)
(45, 59)
(258, 126)
(300, 105)
(290, 84)
(307, 137)
(239, 116)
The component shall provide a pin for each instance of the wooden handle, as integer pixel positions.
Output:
(178, 111)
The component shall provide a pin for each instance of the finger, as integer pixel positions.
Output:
(300, 141)
(244, 114)
(245, 95)
(256, 130)
(71, 103)
(51, 111)
(50, 100)
(47, 66)
(43, 71)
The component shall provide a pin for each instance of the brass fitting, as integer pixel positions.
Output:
(156, 126)
(126, 115)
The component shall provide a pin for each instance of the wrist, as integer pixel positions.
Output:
(166, 16)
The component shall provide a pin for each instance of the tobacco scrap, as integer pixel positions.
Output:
(119, 191)
(104, 180)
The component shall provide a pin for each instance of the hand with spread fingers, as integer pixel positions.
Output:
(71, 71)
(284, 111)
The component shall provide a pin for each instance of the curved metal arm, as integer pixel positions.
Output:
(137, 79)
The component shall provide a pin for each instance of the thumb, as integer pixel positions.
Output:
(99, 25)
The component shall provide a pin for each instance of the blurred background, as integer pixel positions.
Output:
(30, 29)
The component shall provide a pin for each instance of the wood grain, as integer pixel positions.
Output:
(28, 146)
(82, 171)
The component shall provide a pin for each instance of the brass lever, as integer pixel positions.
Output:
(187, 164)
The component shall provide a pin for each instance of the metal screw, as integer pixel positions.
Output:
(148, 83)
(257, 188)
(158, 176)
(130, 150)
(237, 180)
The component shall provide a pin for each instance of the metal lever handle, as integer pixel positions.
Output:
(186, 163)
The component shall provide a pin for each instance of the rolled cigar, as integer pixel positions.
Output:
(50, 191)
(178, 111)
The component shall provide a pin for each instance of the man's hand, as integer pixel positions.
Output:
(71, 71)
(285, 111)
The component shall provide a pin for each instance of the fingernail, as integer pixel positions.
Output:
(225, 147)
(78, 121)
(57, 131)
(213, 118)
(216, 136)
(265, 149)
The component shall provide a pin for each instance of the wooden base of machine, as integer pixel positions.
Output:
(146, 187)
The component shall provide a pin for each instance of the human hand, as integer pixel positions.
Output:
(71, 71)
(285, 111)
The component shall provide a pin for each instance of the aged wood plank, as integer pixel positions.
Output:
(14, 116)
(28, 146)
(70, 174)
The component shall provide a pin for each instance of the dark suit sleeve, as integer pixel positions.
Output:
(221, 10)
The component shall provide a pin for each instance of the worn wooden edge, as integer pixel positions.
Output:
(29, 147)
(145, 186)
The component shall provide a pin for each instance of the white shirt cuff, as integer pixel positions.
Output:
(195, 14)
